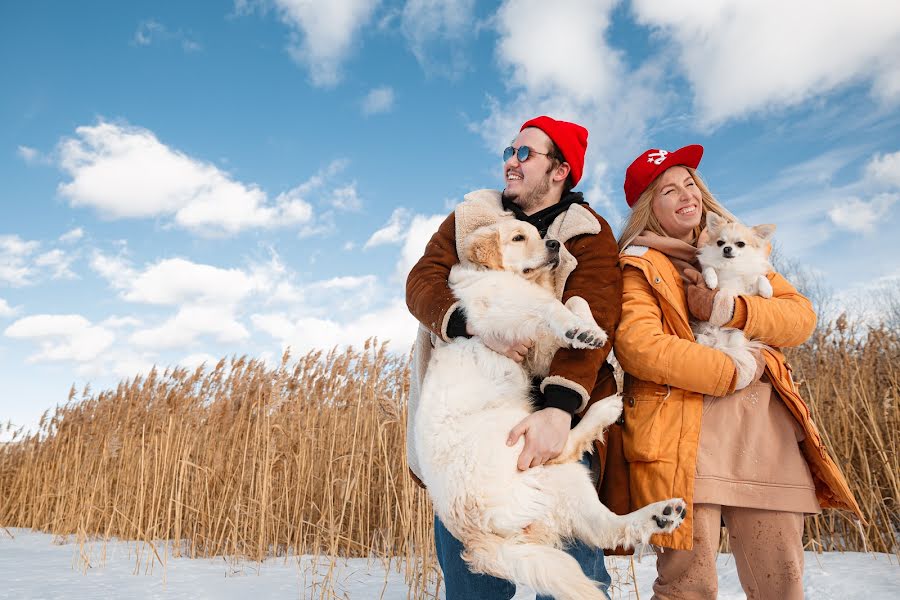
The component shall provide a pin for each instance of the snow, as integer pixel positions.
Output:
(39, 565)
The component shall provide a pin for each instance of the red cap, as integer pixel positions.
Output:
(651, 163)
(570, 138)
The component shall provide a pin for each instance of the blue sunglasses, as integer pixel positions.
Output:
(522, 153)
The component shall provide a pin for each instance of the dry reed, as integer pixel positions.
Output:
(240, 460)
(247, 461)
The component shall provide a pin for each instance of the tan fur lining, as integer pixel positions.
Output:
(722, 309)
(446, 322)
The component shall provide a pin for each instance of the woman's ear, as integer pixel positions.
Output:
(484, 249)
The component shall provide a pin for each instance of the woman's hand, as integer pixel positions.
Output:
(705, 304)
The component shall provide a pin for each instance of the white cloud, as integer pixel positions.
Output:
(145, 31)
(437, 27)
(379, 100)
(6, 310)
(323, 33)
(117, 270)
(178, 281)
(392, 322)
(73, 235)
(559, 47)
(191, 322)
(115, 322)
(62, 337)
(346, 199)
(22, 262)
(15, 254)
(347, 282)
(420, 231)
(208, 298)
(151, 30)
(126, 172)
(601, 198)
(393, 232)
(125, 364)
(29, 155)
(413, 232)
(57, 262)
(557, 60)
(275, 281)
(860, 216)
(193, 361)
(742, 57)
(885, 168)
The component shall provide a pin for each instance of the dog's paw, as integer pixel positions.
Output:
(711, 278)
(585, 336)
(659, 517)
(603, 413)
(765, 287)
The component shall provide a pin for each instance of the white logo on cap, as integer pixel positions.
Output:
(657, 157)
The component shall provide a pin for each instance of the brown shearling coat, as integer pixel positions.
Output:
(596, 277)
(668, 373)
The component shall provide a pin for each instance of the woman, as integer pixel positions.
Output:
(750, 457)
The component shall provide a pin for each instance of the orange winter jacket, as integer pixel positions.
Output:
(668, 373)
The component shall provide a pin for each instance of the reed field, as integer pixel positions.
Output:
(250, 461)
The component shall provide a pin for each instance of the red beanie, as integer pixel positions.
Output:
(570, 138)
(649, 165)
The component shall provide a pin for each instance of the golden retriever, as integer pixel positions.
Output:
(512, 522)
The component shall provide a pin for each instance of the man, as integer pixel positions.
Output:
(543, 164)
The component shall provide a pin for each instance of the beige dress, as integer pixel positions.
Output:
(749, 454)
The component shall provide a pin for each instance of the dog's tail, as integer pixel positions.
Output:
(545, 569)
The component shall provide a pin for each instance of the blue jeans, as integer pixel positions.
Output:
(462, 584)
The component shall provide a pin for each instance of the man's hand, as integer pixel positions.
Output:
(546, 432)
(515, 350)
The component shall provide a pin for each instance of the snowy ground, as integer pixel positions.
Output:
(36, 565)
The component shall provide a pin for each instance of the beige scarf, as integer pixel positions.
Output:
(682, 254)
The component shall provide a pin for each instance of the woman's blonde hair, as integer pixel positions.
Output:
(642, 217)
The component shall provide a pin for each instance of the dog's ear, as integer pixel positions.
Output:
(764, 232)
(714, 223)
(704, 237)
(484, 250)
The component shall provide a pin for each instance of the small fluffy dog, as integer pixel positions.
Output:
(512, 523)
(735, 260)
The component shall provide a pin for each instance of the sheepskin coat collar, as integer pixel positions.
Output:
(485, 207)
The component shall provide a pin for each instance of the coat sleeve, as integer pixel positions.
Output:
(428, 295)
(645, 351)
(784, 320)
(598, 280)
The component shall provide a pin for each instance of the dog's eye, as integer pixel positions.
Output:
(720, 243)
(740, 244)
(519, 238)
(527, 271)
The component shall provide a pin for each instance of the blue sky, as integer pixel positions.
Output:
(184, 181)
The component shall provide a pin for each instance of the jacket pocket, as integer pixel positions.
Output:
(643, 426)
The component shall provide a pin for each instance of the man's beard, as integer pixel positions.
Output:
(532, 198)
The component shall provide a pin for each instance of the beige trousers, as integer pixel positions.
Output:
(768, 553)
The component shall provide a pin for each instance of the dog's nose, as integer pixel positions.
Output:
(726, 250)
(552, 244)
